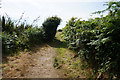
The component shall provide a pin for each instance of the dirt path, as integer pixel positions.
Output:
(38, 63)
(33, 65)
(43, 64)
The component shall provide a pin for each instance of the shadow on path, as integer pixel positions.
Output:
(57, 44)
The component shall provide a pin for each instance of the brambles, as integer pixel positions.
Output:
(97, 40)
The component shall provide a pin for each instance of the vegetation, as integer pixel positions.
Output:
(97, 40)
(20, 36)
(50, 27)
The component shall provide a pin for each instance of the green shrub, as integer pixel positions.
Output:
(97, 40)
(49, 27)
(34, 35)
(18, 37)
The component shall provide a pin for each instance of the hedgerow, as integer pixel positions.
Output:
(20, 36)
(97, 40)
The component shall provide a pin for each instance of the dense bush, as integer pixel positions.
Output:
(20, 36)
(13, 37)
(97, 40)
(49, 27)
(34, 35)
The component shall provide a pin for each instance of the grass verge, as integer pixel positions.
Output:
(73, 67)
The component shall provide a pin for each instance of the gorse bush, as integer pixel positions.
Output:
(23, 36)
(97, 40)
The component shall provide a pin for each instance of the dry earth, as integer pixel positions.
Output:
(33, 65)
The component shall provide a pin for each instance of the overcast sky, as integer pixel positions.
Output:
(65, 9)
